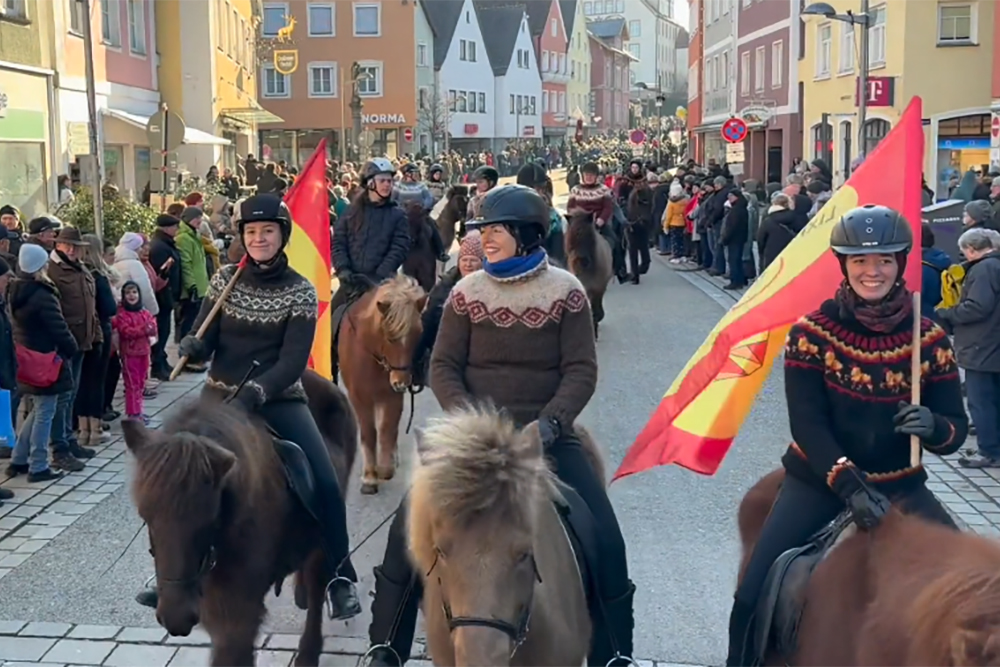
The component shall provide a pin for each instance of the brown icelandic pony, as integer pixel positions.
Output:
(909, 593)
(453, 213)
(223, 526)
(485, 533)
(588, 257)
(421, 262)
(377, 337)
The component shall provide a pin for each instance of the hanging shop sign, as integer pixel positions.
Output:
(286, 61)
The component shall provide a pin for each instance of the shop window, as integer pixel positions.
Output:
(141, 168)
(875, 131)
(822, 141)
(22, 177)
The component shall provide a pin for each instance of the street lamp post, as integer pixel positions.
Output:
(863, 19)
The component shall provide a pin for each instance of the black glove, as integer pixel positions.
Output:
(549, 430)
(346, 277)
(192, 348)
(248, 397)
(914, 420)
(868, 506)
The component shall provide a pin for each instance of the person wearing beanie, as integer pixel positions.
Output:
(194, 272)
(130, 268)
(165, 259)
(978, 213)
(847, 373)
(674, 223)
(10, 220)
(136, 329)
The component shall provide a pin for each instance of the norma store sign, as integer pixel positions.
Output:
(383, 119)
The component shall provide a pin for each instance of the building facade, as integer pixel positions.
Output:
(553, 46)
(767, 86)
(215, 93)
(609, 74)
(518, 86)
(718, 94)
(694, 89)
(578, 87)
(430, 125)
(954, 37)
(314, 101)
(28, 115)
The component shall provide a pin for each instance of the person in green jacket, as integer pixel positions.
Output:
(194, 272)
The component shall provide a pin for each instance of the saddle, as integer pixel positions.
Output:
(298, 474)
(782, 599)
(581, 529)
(337, 316)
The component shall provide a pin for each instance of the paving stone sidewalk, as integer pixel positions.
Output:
(972, 496)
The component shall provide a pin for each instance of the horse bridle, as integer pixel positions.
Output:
(208, 561)
(517, 632)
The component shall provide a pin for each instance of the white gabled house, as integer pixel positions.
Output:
(517, 84)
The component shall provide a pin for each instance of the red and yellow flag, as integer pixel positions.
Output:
(309, 249)
(700, 415)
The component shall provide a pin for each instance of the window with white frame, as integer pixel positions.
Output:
(137, 27)
(370, 84)
(462, 104)
(759, 68)
(562, 102)
(531, 105)
(15, 9)
(847, 43)
(111, 23)
(824, 39)
(777, 63)
(322, 19)
(472, 107)
(274, 18)
(421, 55)
(234, 36)
(482, 102)
(511, 104)
(423, 98)
(745, 73)
(545, 101)
(367, 19)
(588, 8)
(562, 63)
(545, 61)
(554, 27)
(876, 36)
(634, 29)
(472, 52)
(463, 49)
(725, 69)
(634, 49)
(323, 79)
(220, 25)
(274, 84)
(956, 23)
(75, 16)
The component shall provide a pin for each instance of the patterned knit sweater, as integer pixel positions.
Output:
(526, 343)
(844, 384)
(270, 316)
(595, 199)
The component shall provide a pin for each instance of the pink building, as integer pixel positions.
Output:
(127, 88)
(553, 61)
(609, 80)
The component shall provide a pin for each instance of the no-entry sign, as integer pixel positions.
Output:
(734, 130)
(408, 134)
(637, 136)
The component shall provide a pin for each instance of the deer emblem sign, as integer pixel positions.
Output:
(285, 33)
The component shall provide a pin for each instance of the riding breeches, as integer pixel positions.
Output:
(293, 421)
(437, 243)
(799, 512)
(617, 250)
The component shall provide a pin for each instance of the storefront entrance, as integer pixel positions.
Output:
(963, 144)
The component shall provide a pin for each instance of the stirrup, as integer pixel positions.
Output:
(619, 656)
(368, 654)
(339, 579)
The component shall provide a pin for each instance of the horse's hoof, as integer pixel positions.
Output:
(386, 473)
(369, 489)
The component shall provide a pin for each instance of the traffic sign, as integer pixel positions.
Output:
(408, 134)
(995, 127)
(734, 130)
(175, 130)
(637, 136)
(366, 138)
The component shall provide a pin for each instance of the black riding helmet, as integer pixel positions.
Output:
(635, 161)
(264, 208)
(518, 208)
(409, 168)
(872, 229)
(488, 173)
(590, 168)
(532, 175)
(435, 169)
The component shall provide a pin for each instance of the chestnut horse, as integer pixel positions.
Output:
(588, 257)
(377, 338)
(453, 213)
(224, 528)
(421, 261)
(909, 592)
(501, 582)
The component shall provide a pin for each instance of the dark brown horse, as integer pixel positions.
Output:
(908, 593)
(375, 347)
(223, 526)
(421, 262)
(588, 257)
(453, 213)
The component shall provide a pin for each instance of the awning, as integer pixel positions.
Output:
(252, 114)
(192, 137)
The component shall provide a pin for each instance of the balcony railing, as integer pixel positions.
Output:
(555, 77)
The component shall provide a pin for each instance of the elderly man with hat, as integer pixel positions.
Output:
(42, 231)
(165, 259)
(78, 298)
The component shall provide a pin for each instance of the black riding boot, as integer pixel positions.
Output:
(617, 251)
(394, 620)
(612, 641)
(437, 245)
(148, 597)
(741, 640)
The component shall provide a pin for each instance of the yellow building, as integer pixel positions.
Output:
(938, 50)
(208, 75)
(578, 86)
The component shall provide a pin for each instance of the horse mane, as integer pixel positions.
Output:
(581, 237)
(475, 464)
(176, 461)
(397, 298)
(416, 216)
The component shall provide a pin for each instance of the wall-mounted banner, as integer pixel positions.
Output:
(287, 61)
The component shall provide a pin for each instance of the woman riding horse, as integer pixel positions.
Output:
(491, 346)
(594, 197)
(847, 382)
(370, 241)
(410, 189)
(270, 318)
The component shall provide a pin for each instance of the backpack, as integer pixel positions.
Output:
(951, 285)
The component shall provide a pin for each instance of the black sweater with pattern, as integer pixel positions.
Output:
(270, 316)
(844, 383)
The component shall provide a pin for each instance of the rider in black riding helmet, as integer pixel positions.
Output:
(270, 318)
(546, 373)
(410, 190)
(533, 176)
(436, 182)
(847, 382)
(370, 241)
(485, 178)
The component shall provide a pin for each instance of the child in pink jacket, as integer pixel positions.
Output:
(136, 331)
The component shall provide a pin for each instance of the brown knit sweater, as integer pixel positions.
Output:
(527, 344)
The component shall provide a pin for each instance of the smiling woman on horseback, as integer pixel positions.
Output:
(269, 318)
(847, 383)
(519, 333)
